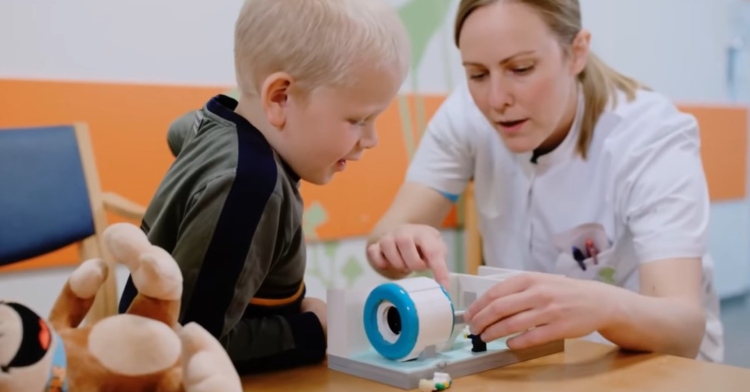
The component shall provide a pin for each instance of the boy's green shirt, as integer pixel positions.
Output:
(230, 213)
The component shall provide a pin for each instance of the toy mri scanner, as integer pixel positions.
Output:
(404, 331)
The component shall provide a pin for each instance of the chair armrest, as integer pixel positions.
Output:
(123, 207)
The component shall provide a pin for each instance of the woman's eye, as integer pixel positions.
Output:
(477, 76)
(357, 122)
(522, 70)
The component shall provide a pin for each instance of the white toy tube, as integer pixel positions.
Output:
(403, 318)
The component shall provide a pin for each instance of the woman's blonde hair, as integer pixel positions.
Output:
(600, 82)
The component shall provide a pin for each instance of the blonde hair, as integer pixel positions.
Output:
(600, 82)
(318, 42)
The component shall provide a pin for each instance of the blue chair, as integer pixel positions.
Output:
(50, 197)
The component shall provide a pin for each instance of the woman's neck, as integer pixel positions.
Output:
(563, 129)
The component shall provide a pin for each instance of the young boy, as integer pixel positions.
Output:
(313, 76)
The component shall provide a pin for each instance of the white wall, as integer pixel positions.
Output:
(142, 41)
(682, 56)
(676, 46)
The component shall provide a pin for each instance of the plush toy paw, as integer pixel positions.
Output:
(154, 272)
(77, 297)
(158, 276)
(86, 280)
(206, 366)
(126, 243)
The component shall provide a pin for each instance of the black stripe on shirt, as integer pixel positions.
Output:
(254, 183)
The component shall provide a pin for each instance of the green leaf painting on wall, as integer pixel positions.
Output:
(321, 268)
(423, 19)
(314, 216)
(352, 270)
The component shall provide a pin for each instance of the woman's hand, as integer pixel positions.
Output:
(411, 248)
(542, 308)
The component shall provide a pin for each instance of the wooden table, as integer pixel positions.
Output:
(583, 367)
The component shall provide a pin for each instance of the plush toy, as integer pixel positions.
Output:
(142, 350)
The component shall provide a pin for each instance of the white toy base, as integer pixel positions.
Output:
(458, 362)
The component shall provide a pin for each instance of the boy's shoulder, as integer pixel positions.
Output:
(204, 129)
(215, 144)
(223, 167)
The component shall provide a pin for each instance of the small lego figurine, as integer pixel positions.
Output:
(477, 345)
(440, 382)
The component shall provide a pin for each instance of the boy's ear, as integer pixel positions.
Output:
(275, 97)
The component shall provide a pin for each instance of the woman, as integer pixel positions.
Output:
(579, 172)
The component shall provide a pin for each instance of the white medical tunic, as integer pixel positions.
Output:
(640, 196)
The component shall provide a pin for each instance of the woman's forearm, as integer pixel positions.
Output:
(668, 325)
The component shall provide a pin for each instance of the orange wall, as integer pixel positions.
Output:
(724, 132)
(128, 126)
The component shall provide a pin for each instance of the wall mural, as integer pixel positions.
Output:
(128, 123)
(132, 155)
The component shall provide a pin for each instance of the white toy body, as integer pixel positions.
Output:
(401, 332)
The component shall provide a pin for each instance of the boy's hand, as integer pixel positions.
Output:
(411, 248)
(318, 307)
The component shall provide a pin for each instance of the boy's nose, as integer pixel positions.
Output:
(369, 140)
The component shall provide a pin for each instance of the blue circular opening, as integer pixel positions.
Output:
(403, 322)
